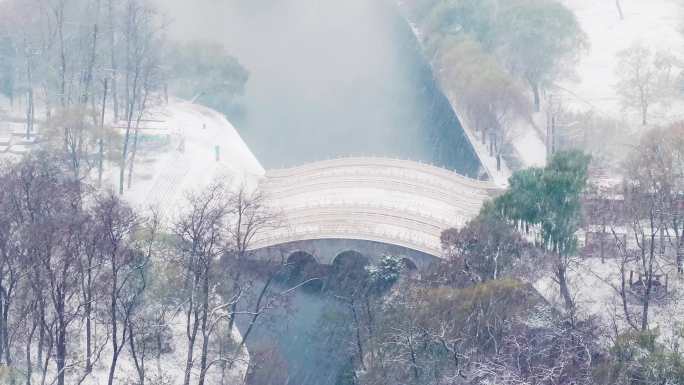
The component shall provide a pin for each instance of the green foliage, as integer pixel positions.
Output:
(207, 74)
(638, 358)
(533, 39)
(549, 198)
(505, 296)
(488, 303)
(424, 335)
(473, 17)
(488, 246)
(539, 37)
(487, 91)
(521, 203)
(9, 375)
(383, 275)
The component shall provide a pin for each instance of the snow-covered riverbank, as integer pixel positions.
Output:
(530, 149)
(201, 146)
(182, 147)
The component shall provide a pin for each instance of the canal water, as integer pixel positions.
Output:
(305, 341)
(307, 336)
(329, 78)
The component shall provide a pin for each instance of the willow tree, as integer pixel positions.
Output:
(491, 98)
(539, 39)
(549, 199)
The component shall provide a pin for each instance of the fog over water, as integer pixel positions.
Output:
(328, 78)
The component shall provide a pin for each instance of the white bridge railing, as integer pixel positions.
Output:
(416, 170)
(393, 201)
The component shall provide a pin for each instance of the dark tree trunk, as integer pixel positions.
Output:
(644, 114)
(619, 9)
(41, 332)
(112, 47)
(205, 332)
(561, 275)
(138, 356)
(100, 142)
(414, 362)
(89, 343)
(192, 336)
(61, 352)
(537, 98)
(29, 363)
(45, 363)
(112, 369)
(359, 345)
(3, 323)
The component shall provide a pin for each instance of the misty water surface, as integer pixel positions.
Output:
(329, 78)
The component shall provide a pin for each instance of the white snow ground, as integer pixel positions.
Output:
(529, 145)
(164, 175)
(656, 24)
(594, 284)
(188, 163)
(162, 178)
(171, 367)
(498, 176)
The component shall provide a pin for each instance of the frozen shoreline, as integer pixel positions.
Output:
(529, 147)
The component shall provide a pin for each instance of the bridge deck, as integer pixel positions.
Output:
(398, 202)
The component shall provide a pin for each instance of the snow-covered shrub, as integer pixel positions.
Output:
(385, 273)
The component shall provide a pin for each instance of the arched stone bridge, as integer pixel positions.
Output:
(375, 201)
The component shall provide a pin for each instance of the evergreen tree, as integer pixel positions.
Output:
(550, 200)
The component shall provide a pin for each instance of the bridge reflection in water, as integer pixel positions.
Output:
(386, 205)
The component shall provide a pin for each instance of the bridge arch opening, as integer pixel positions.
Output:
(300, 257)
(409, 268)
(408, 264)
(350, 259)
(303, 267)
(348, 269)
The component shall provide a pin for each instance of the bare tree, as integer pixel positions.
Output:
(492, 99)
(125, 265)
(112, 16)
(143, 325)
(200, 242)
(250, 217)
(674, 163)
(49, 217)
(652, 194)
(141, 66)
(645, 79)
(494, 332)
(60, 264)
(219, 226)
(10, 270)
